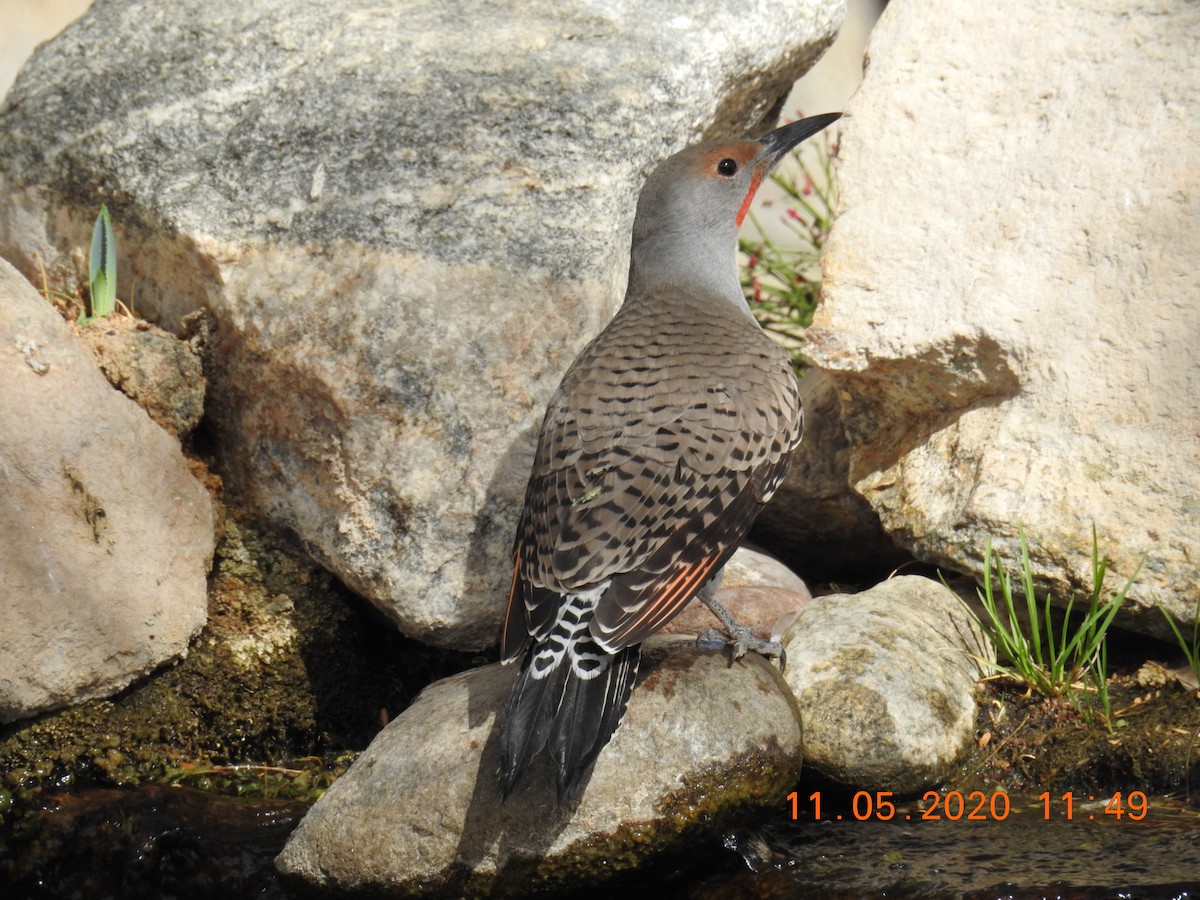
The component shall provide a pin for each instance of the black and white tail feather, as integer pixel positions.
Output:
(569, 698)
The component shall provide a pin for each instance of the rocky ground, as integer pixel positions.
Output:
(1029, 744)
(293, 676)
(291, 673)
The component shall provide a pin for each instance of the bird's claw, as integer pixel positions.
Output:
(738, 637)
(739, 640)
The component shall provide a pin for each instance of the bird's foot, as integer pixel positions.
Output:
(738, 637)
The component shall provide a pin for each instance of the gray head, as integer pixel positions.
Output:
(693, 203)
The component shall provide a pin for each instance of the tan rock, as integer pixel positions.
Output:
(1011, 288)
(156, 370)
(885, 681)
(757, 590)
(105, 537)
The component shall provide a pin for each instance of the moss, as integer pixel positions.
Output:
(1034, 744)
(716, 799)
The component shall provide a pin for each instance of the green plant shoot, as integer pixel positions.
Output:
(102, 266)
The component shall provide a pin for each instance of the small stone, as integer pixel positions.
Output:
(757, 590)
(153, 368)
(885, 681)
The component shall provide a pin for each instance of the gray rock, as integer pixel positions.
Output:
(105, 536)
(885, 681)
(407, 220)
(420, 810)
(1010, 304)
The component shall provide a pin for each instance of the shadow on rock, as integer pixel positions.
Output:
(420, 812)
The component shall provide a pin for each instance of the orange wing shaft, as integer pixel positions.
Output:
(668, 600)
(512, 644)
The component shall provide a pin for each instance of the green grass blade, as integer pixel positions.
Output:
(1052, 661)
(102, 265)
(1192, 650)
(1031, 604)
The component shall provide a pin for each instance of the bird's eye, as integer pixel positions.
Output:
(727, 167)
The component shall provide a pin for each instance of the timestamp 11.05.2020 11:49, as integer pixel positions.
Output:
(975, 806)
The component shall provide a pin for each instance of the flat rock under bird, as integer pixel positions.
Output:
(667, 435)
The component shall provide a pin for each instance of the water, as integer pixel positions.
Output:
(150, 842)
(160, 843)
(1024, 854)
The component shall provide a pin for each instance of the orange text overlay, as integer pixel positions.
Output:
(975, 806)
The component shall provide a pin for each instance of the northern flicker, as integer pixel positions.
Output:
(665, 438)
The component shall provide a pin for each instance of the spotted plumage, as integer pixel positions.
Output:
(665, 438)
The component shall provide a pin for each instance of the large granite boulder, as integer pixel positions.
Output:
(106, 538)
(1012, 288)
(407, 218)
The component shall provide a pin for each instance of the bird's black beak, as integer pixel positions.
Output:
(778, 142)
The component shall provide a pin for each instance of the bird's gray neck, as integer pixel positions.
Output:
(667, 262)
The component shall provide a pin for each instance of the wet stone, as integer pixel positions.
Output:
(702, 743)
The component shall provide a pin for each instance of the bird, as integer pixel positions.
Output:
(666, 436)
